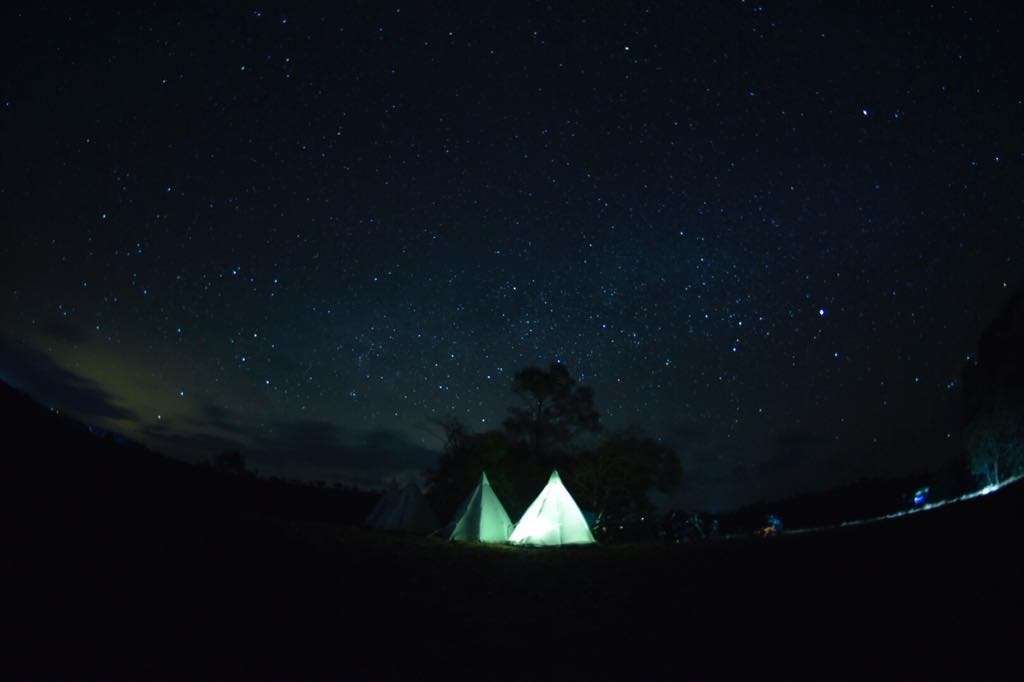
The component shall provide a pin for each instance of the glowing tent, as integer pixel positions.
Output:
(552, 519)
(481, 518)
(405, 509)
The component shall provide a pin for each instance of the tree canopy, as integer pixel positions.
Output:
(994, 398)
(554, 409)
(513, 474)
(613, 473)
(619, 473)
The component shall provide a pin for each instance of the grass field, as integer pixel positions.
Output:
(915, 597)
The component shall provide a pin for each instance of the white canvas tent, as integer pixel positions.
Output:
(552, 519)
(481, 518)
(403, 509)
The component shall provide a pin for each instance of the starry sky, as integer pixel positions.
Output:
(768, 233)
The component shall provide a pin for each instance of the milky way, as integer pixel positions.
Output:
(767, 234)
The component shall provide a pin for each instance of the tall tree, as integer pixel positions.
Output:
(995, 441)
(994, 398)
(554, 409)
(618, 475)
(996, 371)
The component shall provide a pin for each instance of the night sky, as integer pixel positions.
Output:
(767, 233)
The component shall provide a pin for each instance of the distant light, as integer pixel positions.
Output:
(821, 312)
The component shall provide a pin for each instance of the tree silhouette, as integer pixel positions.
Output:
(618, 474)
(614, 475)
(514, 476)
(994, 398)
(997, 369)
(995, 442)
(554, 409)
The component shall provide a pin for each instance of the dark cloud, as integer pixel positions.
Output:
(308, 445)
(303, 435)
(194, 446)
(384, 445)
(62, 330)
(219, 418)
(704, 463)
(298, 448)
(792, 450)
(40, 376)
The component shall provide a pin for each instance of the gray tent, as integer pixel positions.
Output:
(403, 509)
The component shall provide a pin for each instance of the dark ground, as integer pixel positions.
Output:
(123, 564)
